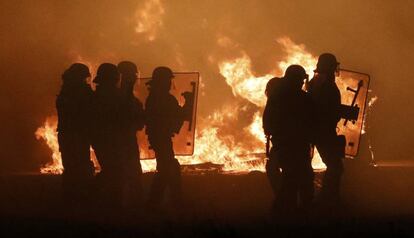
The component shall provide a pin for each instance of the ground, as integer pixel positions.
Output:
(376, 201)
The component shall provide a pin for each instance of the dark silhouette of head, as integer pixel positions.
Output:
(107, 74)
(295, 75)
(128, 71)
(271, 86)
(77, 73)
(161, 79)
(327, 64)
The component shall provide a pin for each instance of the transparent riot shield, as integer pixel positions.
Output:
(183, 141)
(354, 91)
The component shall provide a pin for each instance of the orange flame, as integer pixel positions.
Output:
(223, 149)
(296, 54)
(240, 78)
(213, 145)
(49, 135)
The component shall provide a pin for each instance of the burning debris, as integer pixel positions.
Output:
(219, 138)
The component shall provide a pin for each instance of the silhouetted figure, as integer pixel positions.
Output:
(289, 112)
(107, 136)
(132, 121)
(272, 164)
(73, 107)
(164, 118)
(327, 99)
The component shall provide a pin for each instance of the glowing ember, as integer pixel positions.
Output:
(371, 102)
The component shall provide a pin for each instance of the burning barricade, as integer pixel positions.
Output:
(218, 138)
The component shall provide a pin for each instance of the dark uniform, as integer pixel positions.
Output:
(73, 107)
(164, 118)
(107, 133)
(132, 121)
(327, 99)
(272, 164)
(290, 112)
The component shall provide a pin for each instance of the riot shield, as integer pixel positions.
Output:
(183, 141)
(354, 91)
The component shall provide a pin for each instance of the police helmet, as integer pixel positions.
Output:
(76, 71)
(327, 63)
(107, 72)
(160, 76)
(127, 67)
(295, 72)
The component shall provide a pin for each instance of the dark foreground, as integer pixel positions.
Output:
(377, 201)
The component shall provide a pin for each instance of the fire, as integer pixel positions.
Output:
(149, 18)
(212, 145)
(371, 103)
(239, 77)
(296, 54)
(256, 128)
(217, 138)
(48, 133)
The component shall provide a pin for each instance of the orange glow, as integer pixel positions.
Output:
(243, 83)
(214, 143)
(149, 18)
(296, 54)
(48, 133)
(225, 150)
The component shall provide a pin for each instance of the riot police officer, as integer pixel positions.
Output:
(164, 118)
(73, 106)
(327, 99)
(107, 136)
(290, 124)
(272, 165)
(132, 120)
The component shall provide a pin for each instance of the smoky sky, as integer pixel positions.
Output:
(39, 39)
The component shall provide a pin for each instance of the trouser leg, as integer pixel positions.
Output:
(78, 169)
(306, 186)
(297, 176)
(273, 172)
(287, 197)
(159, 183)
(332, 179)
(175, 181)
(168, 171)
(111, 178)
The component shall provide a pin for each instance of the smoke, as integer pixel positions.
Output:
(39, 39)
